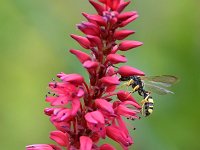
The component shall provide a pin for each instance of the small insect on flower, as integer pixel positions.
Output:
(153, 84)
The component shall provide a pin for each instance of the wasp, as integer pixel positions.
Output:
(153, 84)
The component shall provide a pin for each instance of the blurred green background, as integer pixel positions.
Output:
(34, 43)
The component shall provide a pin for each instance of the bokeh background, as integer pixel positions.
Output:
(34, 43)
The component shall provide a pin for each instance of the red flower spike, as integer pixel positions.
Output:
(61, 138)
(84, 113)
(110, 80)
(126, 71)
(82, 57)
(127, 45)
(83, 41)
(85, 143)
(99, 8)
(42, 147)
(122, 34)
(116, 58)
(107, 147)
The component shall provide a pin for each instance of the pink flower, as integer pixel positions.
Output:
(96, 122)
(118, 135)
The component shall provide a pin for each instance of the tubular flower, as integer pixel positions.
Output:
(85, 112)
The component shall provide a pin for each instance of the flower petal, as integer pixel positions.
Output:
(90, 64)
(107, 147)
(105, 106)
(85, 143)
(61, 138)
(73, 78)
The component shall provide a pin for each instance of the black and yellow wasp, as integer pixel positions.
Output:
(145, 85)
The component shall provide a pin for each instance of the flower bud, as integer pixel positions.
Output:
(110, 80)
(99, 8)
(80, 55)
(127, 45)
(122, 34)
(83, 41)
(126, 71)
(122, 6)
(116, 58)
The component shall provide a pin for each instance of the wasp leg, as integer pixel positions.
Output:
(134, 89)
(127, 84)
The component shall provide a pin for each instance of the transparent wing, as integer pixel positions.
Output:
(163, 80)
(157, 89)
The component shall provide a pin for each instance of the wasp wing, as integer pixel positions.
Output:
(157, 89)
(164, 80)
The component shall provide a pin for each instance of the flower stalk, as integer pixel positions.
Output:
(83, 113)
